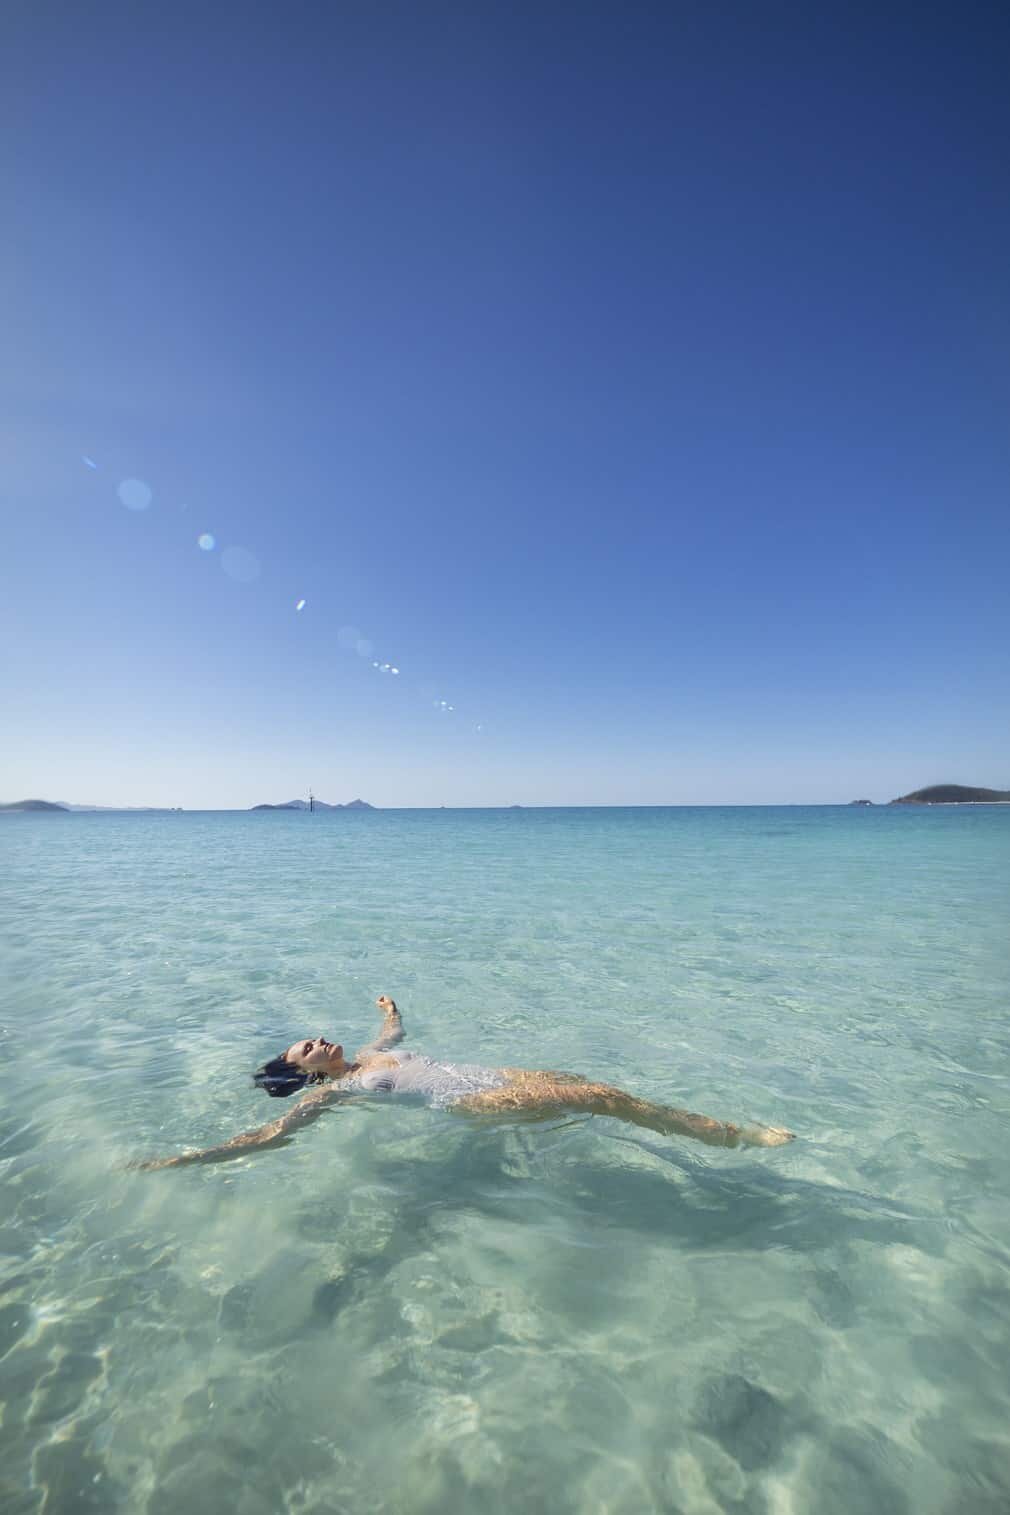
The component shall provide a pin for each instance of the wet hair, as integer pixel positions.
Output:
(280, 1078)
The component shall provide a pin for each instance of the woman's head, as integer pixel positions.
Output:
(312, 1058)
(314, 1054)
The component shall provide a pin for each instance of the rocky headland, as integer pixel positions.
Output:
(954, 794)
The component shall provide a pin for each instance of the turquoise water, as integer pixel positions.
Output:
(403, 1311)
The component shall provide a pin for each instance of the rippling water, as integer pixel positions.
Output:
(404, 1312)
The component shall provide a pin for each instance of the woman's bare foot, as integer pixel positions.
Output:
(766, 1136)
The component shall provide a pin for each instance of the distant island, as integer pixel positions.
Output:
(954, 794)
(121, 809)
(45, 805)
(936, 794)
(316, 805)
(60, 807)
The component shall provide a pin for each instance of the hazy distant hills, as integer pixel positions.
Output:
(60, 807)
(63, 808)
(117, 809)
(35, 805)
(936, 794)
(954, 794)
(317, 804)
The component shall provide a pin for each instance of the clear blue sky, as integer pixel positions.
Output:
(633, 377)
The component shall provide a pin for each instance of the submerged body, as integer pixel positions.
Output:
(467, 1088)
(441, 1084)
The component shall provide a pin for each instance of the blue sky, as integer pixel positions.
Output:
(634, 379)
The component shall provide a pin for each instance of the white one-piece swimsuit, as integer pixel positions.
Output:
(439, 1083)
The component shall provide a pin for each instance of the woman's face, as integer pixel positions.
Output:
(317, 1055)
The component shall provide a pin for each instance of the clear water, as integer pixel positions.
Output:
(402, 1311)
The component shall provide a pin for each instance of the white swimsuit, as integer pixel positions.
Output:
(439, 1083)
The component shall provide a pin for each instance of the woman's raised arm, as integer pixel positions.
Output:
(392, 1031)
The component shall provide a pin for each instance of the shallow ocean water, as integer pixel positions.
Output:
(403, 1310)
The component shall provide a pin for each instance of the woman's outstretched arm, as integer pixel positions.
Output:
(392, 1030)
(274, 1134)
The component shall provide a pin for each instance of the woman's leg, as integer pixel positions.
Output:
(547, 1094)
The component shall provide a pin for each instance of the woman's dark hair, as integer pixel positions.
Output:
(280, 1078)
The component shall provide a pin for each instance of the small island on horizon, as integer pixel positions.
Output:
(43, 805)
(953, 794)
(315, 805)
(947, 794)
(60, 807)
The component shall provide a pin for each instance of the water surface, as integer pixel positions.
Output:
(402, 1311)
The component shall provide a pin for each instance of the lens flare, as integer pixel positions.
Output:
(88, 462)
(135, 494)
(244, 567)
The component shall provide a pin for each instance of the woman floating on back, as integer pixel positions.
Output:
(463, 1087)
